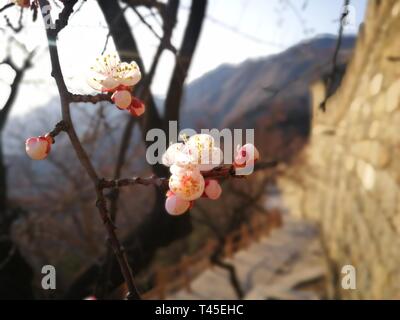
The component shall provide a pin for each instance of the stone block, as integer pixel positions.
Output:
(372, 151)
(375, 85)
(393, 97)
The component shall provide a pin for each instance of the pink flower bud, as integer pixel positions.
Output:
(246, 155)
(38, 148)
(137, 107)
(188, 185)
(212, 189)
(122, 98)
(176, 206)
(90, 298)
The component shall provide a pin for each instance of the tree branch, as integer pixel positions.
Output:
(90, 98)
(19, 74)
(65, 97)
(19, 26)
(5, 7)
(183, 60)
(66, 12)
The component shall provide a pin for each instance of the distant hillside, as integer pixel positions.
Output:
(269, 94)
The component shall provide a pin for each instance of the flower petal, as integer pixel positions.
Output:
(213, 189)
(176, 206)
(170, 155)
(189, 186)
(122, 98)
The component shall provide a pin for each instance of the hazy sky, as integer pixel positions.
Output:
(235, 30)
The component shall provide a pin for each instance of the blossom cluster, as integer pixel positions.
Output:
(111, 75)
(187, 161)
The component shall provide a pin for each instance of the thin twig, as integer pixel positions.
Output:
(90, 98)
(148, 25)
(332, 76)
(19, 74)
(59, 127)
(8, 5)
(19, 26)
(109, 32)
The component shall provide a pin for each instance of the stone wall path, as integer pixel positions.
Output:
(288, 264)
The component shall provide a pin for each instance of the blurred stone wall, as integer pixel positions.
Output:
(348, 178)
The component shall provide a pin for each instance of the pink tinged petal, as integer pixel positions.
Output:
(246, 155)
(200, 145)
(131, 79)
(50, 141)
(134, 66)
(102, 83)
(168, 158)
(96, 77)
(175, 206)
(213, 189)
(128, 74)
(134, 71)
(122, 98)
(188, 186)
(211, 159)
(109, 84)
(90, 298)
(184, 159)
(203, 150)
(37, 148)
(94, 83)
(256, 154)
(201, 138)
(180, 170)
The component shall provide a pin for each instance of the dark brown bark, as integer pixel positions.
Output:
(183, 61)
